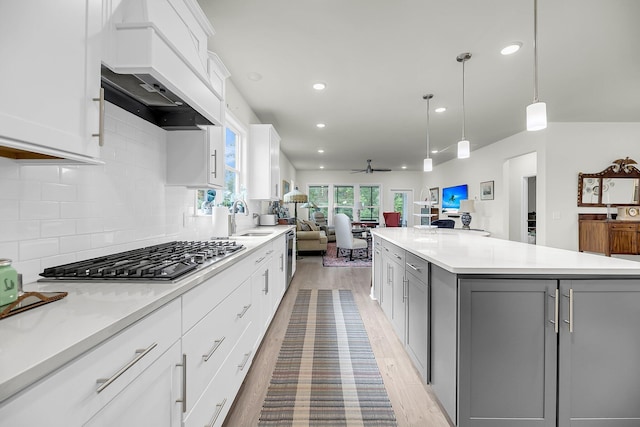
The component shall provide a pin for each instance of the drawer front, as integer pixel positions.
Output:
(70, 396)
(625, 227)
(417, 266)
(209, 343)
(212, 408)
(395, 252)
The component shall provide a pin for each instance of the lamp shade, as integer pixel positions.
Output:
(309, 205)
(295, 196)
(467, 206)
(428, 165)
(464, 151)
(537, 116)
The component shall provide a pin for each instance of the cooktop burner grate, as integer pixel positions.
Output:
(165, 262)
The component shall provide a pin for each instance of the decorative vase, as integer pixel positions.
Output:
(465, 218)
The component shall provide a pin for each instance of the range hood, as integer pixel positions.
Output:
(156, 64)
(146, 97)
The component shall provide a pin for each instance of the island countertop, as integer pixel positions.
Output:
(469, 252)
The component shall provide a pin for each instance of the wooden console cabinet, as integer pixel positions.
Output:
(598, 234)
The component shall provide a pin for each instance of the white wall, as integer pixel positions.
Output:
(562, 151)
(387, 181)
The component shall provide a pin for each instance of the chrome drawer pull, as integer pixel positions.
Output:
(215, 163)
(216, 414)
(414, 267)
(100, 133)
(397, 256)
(556, 311)
(184, 383)
(269, 252)
(244, 360)
(259, 260)
(244, 311)
(106, 382)
(570, 321)
(216, 344)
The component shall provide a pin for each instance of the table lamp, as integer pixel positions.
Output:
(296, 196)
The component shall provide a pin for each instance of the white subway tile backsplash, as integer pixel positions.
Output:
(9, 210)
(77, 243)
(19, 230)
(43, 173)
(38, 248)
(9, 250)
(89, 225)
(78, 210)
(39, 210)
(58, 192)
(56, 228)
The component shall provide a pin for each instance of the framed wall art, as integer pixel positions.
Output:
(434, 195)
(486, 190)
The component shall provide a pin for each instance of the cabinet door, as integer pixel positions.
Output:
(264, 163)
(399, 289)
(599, 352)
(386, 288)
(508, 353)
(376, 292)
(280, 272)
(443, 374)
(261, 292)
(150, 400)
(418, 322)
(195, 158)
(50, 76)
(623, 239)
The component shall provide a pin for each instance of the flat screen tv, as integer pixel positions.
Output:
(451, 197)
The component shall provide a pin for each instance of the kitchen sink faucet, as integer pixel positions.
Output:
(234, 209)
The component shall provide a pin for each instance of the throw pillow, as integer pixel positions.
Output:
(312, 225)
(303, 226)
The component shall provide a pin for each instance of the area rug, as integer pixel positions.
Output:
(330, 259)
(326, 373)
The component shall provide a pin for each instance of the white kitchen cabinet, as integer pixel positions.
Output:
(73, 395)
(151, 400)
(264, 163)
(263, 289)
(279, 261)
(195, 158)
(376, 291)
(49, 80)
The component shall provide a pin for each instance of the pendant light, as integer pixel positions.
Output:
(464, 149)
(537, 111)
(428, 162)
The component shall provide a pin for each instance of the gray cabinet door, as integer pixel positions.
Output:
(386, 287)
(417, 322)
(600, 360)
(377, 270)
(399, 312)
(508, 353)
(444, 311)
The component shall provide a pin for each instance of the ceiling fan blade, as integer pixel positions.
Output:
(381, 170)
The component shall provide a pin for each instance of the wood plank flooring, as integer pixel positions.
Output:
(412, 400)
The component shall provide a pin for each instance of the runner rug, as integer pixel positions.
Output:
(326, 373)
(360, 259)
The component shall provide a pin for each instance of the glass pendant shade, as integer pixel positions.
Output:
(536, 116)
(428, 165)
(464, 150)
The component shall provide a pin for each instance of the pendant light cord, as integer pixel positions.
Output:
(463, 108)
(428, 98)
(535, 51)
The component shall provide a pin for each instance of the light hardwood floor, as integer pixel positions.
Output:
(412, 400)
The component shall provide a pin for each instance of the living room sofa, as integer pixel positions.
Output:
(309, 237)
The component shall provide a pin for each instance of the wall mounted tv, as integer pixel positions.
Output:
(451, 197)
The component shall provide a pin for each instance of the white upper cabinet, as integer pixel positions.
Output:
(264, 163)
(196, 158)
(49, 79)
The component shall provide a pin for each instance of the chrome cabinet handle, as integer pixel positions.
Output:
(184, 383)
(259, 260)
(216, 414)
(244, 311)
(100, 134)
(386, 249)
(215, 163)
(570, 321)
(397, 256)
(413, 267)
(405, 285)
(106, 382)
(216, 344)
(556, 311)
(245, 359)
(281, 262)
(266, 282)
(269, 252)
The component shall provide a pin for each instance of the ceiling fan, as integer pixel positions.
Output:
(369, 169)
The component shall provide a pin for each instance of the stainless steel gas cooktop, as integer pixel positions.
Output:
(164, 262)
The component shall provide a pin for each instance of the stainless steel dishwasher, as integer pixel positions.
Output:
(290, 236)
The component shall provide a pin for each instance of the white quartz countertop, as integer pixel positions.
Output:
(468, 252)
(38, 341)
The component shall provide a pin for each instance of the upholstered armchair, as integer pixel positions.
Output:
(319, 218)
(444, 223)
(345, 239)
(391, 219)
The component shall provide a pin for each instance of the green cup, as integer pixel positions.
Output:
(8, 282)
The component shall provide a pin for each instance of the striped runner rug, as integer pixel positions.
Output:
(326, 373)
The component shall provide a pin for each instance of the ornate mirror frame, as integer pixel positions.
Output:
(595, 189)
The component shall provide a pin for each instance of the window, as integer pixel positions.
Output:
(343, 200)
(370, 199)
(232, 150)
(319, 194)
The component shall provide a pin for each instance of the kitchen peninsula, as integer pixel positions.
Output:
(512, 334)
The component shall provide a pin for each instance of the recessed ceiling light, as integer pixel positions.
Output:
(319, 86)
(403, 166)
(321, 167)
(320, 150)
(253, 76)
(434, 151)
(440, 110)
(511, 48)
(320, 125)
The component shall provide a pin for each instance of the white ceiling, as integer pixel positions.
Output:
(378, 58)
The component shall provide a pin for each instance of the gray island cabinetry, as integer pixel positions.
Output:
(518, 335)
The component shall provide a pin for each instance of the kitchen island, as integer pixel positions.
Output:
(102, 353)
(512, 334)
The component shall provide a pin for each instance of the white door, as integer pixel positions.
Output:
(402, 202)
